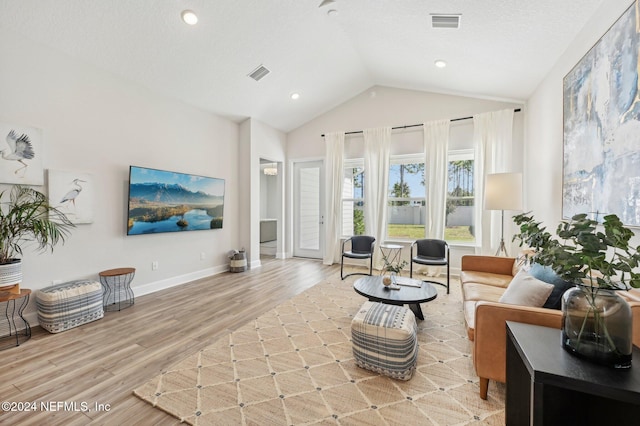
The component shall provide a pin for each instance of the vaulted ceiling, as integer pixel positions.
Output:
(502, 49)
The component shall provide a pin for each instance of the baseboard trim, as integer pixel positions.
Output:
(178, 280)
(141, 290)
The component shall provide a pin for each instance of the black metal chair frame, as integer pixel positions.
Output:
(356, 255)
(427, 262)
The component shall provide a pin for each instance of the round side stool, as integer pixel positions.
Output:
(117, 293)
(14, 328)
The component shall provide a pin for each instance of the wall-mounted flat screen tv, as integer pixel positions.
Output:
(163, 201)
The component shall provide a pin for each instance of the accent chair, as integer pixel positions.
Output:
(430, 252)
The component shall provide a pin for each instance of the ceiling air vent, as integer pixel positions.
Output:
(259, 73)
(445, 21)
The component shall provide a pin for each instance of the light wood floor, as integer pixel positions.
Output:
(103, 361)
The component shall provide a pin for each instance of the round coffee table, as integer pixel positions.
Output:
(408, 294)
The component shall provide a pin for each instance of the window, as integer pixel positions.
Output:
(406, 211)
(406, 214)
(460, 198)
(353, 198)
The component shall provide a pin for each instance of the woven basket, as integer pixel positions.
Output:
(238, 262)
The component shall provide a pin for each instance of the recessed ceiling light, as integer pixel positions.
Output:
(440, 63)
(189, 17)
(295, 96)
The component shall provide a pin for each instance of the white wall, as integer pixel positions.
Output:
(269, 196)
(544, 125)
(385, 106)
(259, 140)
(97, 123)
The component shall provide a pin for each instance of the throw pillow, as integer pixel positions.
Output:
(546, 274)
(526, 290)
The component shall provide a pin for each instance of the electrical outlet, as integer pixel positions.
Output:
(154, 265)
(202, 255)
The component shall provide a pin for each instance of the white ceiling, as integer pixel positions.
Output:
(502, 50)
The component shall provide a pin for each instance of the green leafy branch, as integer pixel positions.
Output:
(583, 254)
(391, 267)
(28, 217)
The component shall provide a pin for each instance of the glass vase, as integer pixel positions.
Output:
(596, 325)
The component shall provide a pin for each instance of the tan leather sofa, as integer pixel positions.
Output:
(483, 280)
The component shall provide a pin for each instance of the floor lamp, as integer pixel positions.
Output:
(503, 191)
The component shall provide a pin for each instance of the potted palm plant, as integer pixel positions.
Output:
(598, 260)
(26, 217)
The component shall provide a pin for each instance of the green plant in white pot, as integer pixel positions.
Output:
(27, 217)
(596, 321)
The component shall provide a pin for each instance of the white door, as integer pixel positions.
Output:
(308, 187)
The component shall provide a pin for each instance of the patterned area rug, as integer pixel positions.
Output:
(294, 366)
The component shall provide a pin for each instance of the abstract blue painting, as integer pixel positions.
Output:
(601, 173)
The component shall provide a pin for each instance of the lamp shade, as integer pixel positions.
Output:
(503, 191)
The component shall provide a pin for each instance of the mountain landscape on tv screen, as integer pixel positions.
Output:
(171, 194)
(160, 207)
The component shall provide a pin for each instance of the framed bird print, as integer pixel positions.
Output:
(72, 194)
(21, 155)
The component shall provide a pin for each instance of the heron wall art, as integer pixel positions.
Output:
(21, 155)
(72, 193)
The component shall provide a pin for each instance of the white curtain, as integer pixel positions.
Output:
(377, 143)
(436, 142)
(334, 167)
(493, 139)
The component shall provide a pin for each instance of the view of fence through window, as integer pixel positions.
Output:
(406, 215)
(460, 196)
(353, 200)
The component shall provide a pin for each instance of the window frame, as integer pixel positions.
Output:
(419, 158)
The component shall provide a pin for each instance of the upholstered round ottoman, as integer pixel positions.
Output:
(68, 305)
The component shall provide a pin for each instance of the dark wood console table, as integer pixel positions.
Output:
(546, 385)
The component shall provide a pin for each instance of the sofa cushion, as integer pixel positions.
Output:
(469, 309)
(475, 291)
(473, 294)
(527, 291)
(546, 274)
(489, 278)
(632, 295)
